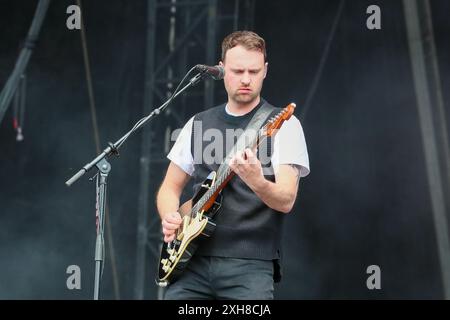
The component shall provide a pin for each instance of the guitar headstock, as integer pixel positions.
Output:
(276, 122)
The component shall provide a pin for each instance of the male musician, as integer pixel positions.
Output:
(241, 259)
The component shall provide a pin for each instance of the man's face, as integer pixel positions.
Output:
(245, 71)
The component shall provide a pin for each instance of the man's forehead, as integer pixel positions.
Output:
(239, 57)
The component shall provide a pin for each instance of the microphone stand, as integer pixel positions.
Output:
(104, 168)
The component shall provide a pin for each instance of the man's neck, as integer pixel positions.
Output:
(241, 108)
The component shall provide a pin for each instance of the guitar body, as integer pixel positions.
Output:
(175, 255)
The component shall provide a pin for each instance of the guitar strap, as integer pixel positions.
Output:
(249, 135)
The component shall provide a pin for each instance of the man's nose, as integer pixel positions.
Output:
(245, 80)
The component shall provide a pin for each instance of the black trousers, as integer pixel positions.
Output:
(223, 278)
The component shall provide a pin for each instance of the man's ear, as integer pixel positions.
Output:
(266, 66)
(221, 63)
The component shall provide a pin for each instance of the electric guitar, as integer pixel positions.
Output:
(197, 213)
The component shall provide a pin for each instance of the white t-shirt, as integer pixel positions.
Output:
(289, 147)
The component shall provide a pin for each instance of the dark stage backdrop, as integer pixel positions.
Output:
(366, 201)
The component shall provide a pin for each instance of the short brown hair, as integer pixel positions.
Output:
(248, 39)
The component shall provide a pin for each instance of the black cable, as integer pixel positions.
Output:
(322, 62)
(13, 81)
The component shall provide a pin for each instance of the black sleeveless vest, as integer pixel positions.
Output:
(246, 227)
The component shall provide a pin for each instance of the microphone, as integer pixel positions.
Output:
(215, 72)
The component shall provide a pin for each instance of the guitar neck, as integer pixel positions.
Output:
(224, 174)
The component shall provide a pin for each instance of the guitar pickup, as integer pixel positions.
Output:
(164, 262)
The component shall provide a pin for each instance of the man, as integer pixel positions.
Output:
(241, 259)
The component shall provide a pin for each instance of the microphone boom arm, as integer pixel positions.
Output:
(113, 148)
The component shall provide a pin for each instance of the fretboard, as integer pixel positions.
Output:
(223, 173)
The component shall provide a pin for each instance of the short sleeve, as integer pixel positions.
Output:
(181, 154)
(290, 146)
